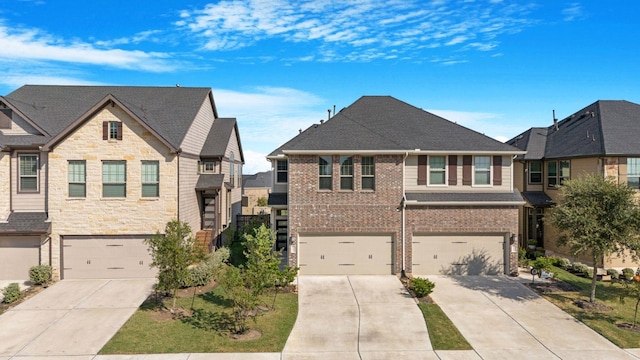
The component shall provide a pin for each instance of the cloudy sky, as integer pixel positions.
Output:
(495, 66)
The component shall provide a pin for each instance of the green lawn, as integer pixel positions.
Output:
(602, 322)
(203, 332)
(443, 334)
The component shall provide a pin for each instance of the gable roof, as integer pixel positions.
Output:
(604, 128)
(167, 110)
(262, 179)
(218, 138)
(386, 124)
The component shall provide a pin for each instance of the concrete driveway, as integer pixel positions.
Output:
(357, 317)
(503, 319)
(72, 317)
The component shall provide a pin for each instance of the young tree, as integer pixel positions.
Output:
(263, 262)
(242, 298)
(172, 253)
(598, 217)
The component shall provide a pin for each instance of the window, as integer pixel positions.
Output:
(208, 166)
(28, 172)
(633, 172)
(346, 173)
(232, 174)
(114, 179)
(535, 172)
(282, 170)
(482, 170)
(324, 172)
(437, 170)
(558, 172)
(77, 178)
(111, 130)
(150, 179)
(368, 173)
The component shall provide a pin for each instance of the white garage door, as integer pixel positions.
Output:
(346, 255)
(105, 258)
(458, 255)
(17, 255)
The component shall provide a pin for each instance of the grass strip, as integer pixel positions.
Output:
(443, 333)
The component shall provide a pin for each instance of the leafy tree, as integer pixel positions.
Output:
(598, 217)
(263, 263)
(262, 201)
(632, 289)
(172, 253)
(243, 299)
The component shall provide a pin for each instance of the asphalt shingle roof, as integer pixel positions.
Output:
(467, 197)
(167, 110)
(385, 123)
(218, 138)
(258, 180)
(277, 199)
(25, 223)
(209, 182)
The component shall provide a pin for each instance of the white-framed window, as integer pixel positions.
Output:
(633, 172)
(346, 172)
(324, 173)
(535, 172)
(437, 170)
(208, 166)
(368, 173)
(482, 170)
(114, 178)
(77, 178)
(150, 179)
(28, 172)
(282, 171)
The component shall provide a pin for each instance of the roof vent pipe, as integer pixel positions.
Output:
(329, 116)
(555, 121)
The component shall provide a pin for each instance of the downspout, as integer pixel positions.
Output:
(178, 152)
(403, 274)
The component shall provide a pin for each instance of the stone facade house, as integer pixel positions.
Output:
(601, 138)
(88, 172)
(383, 187)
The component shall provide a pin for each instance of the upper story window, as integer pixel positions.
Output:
(558, 172)
(437, 170)
(28, 172)
(282, 171)
(324, 173)
(208, 166)
(112, 130)
(77, 178)
(368, 173)
(150, 179)
(482, 170)
(346, 173)
(535, 172)
(232, 170)
(633, 172)
(114, 178)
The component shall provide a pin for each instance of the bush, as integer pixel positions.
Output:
(11, 293)
(615, 275)
(421, 286)
(628, 273)
(206, 270)
(579, 268)
(561, 262)
(543, 263)
(40, 274)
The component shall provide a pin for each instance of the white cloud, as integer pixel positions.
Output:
(255, 162)
(573, 12)
(384, 26)
(32, 44)
(490, 124)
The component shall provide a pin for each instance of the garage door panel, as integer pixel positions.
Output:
(345, 255)
(106, 258)
(17, 255)
(458, 254)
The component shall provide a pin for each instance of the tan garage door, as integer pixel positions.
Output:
(346, 255)
(100, 257)
(17, 255)
(458, 254)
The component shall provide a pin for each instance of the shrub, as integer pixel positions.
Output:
(543, 263)
(561, 262)
(206, 270)
(615, 275)
(628, 273)
(11, 293)
(588, 274)
(421, 286)
(579, 268)
(40, 274)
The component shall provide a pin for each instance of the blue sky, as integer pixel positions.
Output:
(496, 66)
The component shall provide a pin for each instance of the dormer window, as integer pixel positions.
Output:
(112, 130)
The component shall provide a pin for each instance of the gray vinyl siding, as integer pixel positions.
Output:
(197, 134)
(236, 192)
(411, 178)
(189, 203)
(27, 201)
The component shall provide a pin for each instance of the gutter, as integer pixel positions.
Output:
(395, 152)
(459, 203)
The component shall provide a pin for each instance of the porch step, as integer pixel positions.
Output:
(203, 238)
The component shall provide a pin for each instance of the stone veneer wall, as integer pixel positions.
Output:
(93, 214)
(339, 212)
(460, 220)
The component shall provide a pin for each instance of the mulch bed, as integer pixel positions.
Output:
(543, 287)
(629, 327)
(26, 294)
(587, 305)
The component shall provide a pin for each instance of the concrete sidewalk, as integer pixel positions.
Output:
(72, 317)
(502, 319)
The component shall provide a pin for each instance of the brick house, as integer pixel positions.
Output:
(89, 172)
(598, 139)
(386, 188)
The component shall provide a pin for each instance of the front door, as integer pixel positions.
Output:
(209, 215)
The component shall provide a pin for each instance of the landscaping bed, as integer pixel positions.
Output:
(24, 295)
(204, 326)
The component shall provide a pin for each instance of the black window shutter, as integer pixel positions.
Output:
(453, 170)
(467, 160)
(497, 170)
(119, 131)
(422, 169)
(105, 130)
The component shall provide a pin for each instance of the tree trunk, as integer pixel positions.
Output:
(594, 280)
(635, 315)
